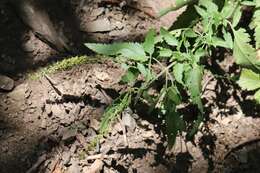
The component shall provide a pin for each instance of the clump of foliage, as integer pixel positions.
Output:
(65, 64)
(178, 55)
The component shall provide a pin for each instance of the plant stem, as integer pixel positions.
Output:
(178, 5)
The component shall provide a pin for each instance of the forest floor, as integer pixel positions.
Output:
(43, 131)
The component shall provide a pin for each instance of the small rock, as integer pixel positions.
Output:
(96, 167)
(226, 121)
(74, 147)
(74, 167)
(43, 124)
(129, 121)
(97, 12)
(119, 25)
(6, 83)
(75, 111)
(94, 124)
(66, 158)
(145, 123)
(69, 134)
(148, 134)
(48, 109)
(100, 25)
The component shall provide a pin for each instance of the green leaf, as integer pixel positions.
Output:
(174, 95)
(113, 111)
(190, 33)
(257, 96)
(178, 71)
(227, 10)
(249, 80)
(243, 52)
(236, 17)
(149, 41)
(172, 121)
(142, 69)
(195, 127)
(255, 24)
(248, 3)
(168, 37)
(193, 82)
(130, 76)
(209, 5)
(164, 52)
(257, 36)
(216, 41)
(133, 51)
(228, 40)
(203, 13)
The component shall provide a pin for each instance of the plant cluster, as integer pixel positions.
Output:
(171, 62)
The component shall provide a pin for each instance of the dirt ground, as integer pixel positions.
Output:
(41, 131)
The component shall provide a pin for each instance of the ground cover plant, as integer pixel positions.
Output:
(171, 62)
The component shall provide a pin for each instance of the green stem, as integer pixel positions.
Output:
(179, 4)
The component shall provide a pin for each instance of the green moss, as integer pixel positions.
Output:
(65, 64)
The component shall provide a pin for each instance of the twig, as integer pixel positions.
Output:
(206, 84)
(108, 99)
(53, 84)
(37, 164)
(100, 156)
(124, 132)
(54, 166)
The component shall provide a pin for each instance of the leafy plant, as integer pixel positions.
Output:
(171, 61)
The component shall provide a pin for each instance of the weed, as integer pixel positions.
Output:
(178, 54)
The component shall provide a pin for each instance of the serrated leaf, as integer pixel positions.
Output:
(249, 80)
(227, 10)
(257, 36)
(248, 3)
(237, 16)
(190, 33)
(171, 120)
(149, 41)
(203, 13)
(209, 5)
(178, 71)
(257, 96)
(132, 51)
(130, 76)
(228, 40)
(142, 69)
(255, 24)
(216, 41)
(164, 52)
(168, 37)
(113, 111)
(193, 83)
(243, 52)
(174, 95)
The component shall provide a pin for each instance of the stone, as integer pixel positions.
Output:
(6, 83)
(43, 124)
(97, 12)
(66, 158)
(100, 25)
(96, 167)
(129, 121)
(74, 167)
(69, 134)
